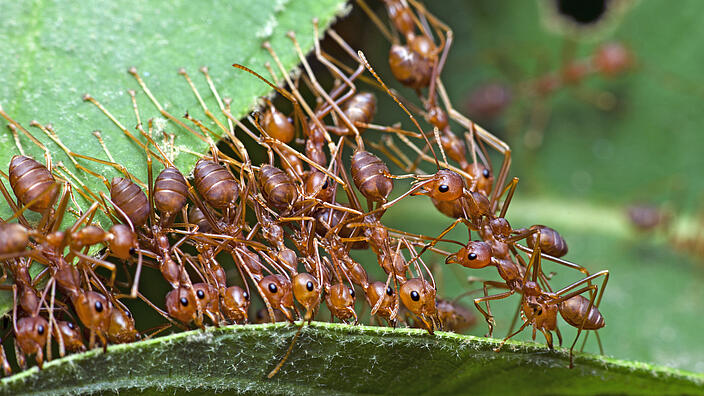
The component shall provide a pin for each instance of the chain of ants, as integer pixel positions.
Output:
(182, 226)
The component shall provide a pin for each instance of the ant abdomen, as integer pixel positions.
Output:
(360, 108)
(277, 187)
(215, 184)
(402, 17)
(277, 125)
(574, 311)
(551, 242)
(409, 67)
(14, 238)
(170, 191)
(130, 199)
(358, 275)
(32, 181)
(369, 174)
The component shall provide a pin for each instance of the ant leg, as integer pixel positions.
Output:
(490, 319)
(496, 143)
(135, 74)
(523, 326)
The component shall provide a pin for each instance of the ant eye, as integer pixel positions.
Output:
(245, 295)
(184, 301)
(200, 294)
(415, 296)
(133, 250)
(486, 173)
(128, 314)
(273, 288)
(98, 306)
(326, 184)
(310, 286)
(40, 329)
(351, 292)
(472, 256)
(444, 188)
(389, 291)
(71, 325)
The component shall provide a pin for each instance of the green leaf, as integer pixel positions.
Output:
(343, 359)
(54, 52)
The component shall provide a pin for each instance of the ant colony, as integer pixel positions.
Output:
(234, 234)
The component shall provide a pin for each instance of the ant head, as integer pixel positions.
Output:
(123, 241)
(196, 217)
(33, 328)
(14, 238)
(379, 290)
(71, 335)
(483, 177)
(94, 310)
(475, 255)
(418, 295)
(181, 304)
(277, 290)
(340, 300)
(235, 303)
(204, 293)
(122, 329)
(445, 185)
(306, 289)
(318, 185)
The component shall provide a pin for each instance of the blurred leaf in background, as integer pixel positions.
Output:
(592, 162)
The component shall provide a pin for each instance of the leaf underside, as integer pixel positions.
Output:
(343, 359)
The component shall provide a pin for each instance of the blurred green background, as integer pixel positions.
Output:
(592, 163)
